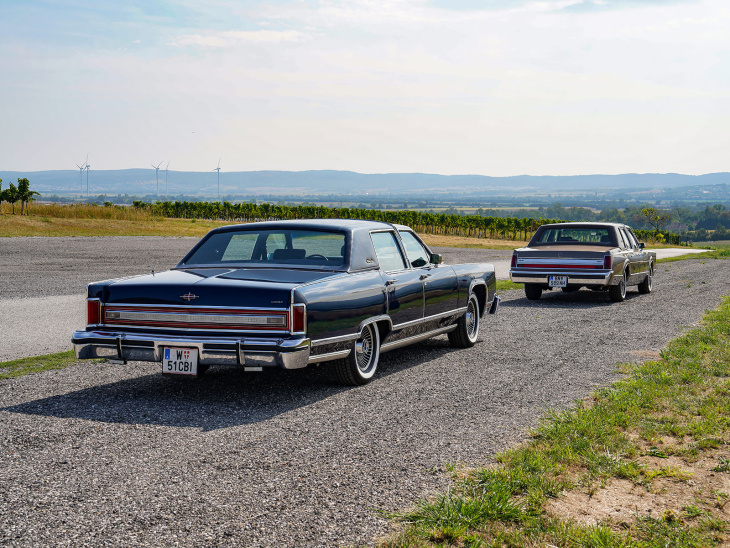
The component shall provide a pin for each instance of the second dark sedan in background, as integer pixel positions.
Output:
(599, 256)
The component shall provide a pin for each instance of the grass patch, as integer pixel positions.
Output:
(36, 364)
(662, 431)
(508, 285)
(37, 225)
(713, 254)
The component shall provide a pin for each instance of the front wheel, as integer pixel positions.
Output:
(533, 291)
(359, 367)
(618, 292)
(647, 285)
(467, 328)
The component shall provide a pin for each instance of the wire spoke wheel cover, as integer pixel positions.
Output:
(472, 320)
(364, 350)
(467, 328)
(362, 363)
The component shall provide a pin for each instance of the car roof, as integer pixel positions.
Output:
(586, 224)
(340, 225)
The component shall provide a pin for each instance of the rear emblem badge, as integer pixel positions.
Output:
(188, 297)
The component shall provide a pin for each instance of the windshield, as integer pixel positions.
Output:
(573, 235)
(271, 247)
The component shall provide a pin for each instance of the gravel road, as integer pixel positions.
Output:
(102, 455)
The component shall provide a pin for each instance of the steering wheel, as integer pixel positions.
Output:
(316, 256)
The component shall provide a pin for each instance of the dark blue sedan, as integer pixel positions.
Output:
(288, 294)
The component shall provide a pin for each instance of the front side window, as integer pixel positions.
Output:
(417, 254)
(631, 239)
(387, 251)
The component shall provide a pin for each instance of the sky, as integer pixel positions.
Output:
(488, 87)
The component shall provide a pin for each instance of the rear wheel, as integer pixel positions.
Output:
(618, 292)
(533, 291)
(647, 285)
(359, 367)
(467, 328)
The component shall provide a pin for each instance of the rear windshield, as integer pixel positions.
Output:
(573, 235)
(271, 247)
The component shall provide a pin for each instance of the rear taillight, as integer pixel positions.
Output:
(514, 260)
(93, 312)
(607, 262)
(298, 318)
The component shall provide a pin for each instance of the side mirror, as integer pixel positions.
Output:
(642, 245)
(436, 258)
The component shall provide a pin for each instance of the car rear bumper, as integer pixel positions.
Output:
(290, 353)
(601, 277)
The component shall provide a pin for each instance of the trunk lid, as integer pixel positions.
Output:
(219, 287)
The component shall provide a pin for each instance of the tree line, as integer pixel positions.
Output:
(21, 193)
(474, 226)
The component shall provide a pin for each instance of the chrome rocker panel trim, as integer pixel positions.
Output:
(247, 352)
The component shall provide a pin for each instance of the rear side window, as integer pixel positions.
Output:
(387, 251)
(624, 239)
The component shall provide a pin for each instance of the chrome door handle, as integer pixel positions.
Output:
(390, 282)
(424, 276)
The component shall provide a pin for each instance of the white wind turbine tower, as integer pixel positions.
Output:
(87, 167)
(218, 169)
(157, 171)
(81, 175)
(168, 165)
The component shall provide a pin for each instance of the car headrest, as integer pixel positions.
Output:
(284, 254)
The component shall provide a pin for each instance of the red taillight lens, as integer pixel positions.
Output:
(514, 260)
(298, 318)
(607, 262)
(93, 312)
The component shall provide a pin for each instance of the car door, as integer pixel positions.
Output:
(641, 252)
(633, 254)
(440, 287)
(403, 285)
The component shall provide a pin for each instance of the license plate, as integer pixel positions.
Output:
(558, 281)
(180, 361)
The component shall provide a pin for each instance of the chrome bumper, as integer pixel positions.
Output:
(247, 352)
(602, 277)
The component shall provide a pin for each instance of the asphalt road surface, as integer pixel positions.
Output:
(105, 455)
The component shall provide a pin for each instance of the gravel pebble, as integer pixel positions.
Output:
(107, 455)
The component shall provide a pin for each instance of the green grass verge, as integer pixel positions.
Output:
(23, 366)
(714, 254)
(676, 407)
(507, 285)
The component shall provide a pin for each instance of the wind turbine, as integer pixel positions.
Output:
(157, 171)
(218, 169)
(87, 167)
(168, 165)
(81, 175)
